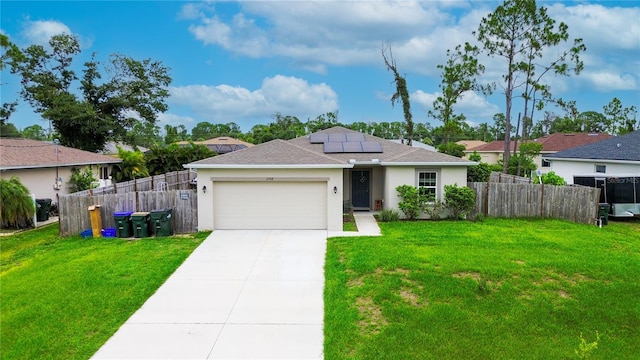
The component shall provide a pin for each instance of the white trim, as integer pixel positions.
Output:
(269, 179)
(634, 162)
(267, 166)
(466, 163)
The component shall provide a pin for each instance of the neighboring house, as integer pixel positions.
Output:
(415, 143)
(304, 183)
(468, 144)
(221, 145)
(618, 155)
(45, 168)
(493, 152)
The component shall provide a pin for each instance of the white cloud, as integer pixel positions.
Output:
(175, 120)
(606, 80)
(475, 107)
(283, 94)
(39, 32)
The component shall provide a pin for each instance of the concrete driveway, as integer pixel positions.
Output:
(253, 294)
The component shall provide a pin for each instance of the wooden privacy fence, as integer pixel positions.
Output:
(177, 180)
(497, 177)
(74, 214)
(574, 203)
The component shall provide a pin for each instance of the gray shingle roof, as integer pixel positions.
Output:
(625, 148)
(27, 153)
(301, 151)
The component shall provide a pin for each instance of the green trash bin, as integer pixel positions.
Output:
(140, 221)
(162, 223)
(42, 209)
(603, 213)
(123, 224)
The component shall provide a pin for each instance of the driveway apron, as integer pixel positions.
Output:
(242, 294)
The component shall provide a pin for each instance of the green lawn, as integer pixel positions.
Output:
(497, 289)
(62, 298)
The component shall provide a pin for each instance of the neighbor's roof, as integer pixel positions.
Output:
(620, 148)
(550, 143)
(300, 152)
(27, 153)
(468, 144)
(222, 144)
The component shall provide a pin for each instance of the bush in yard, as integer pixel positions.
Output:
(461, 200)
(16, 205)
(413, 202)
(550, 178)
(81, 179)
(388, 215)
(479, 173)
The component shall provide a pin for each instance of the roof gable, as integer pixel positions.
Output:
(301, 152)
(27, 153)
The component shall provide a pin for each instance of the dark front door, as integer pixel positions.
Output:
(360, 184)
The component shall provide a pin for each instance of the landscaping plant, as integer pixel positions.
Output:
(460, 200)
(81, 179)
(413, 201)
(17, 208)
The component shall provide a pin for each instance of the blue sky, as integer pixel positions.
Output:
(244, 61)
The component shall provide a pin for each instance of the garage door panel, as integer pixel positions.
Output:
(270, 205)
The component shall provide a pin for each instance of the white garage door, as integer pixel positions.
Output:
(270, 205)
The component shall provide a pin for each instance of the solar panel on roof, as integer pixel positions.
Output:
(352, 146)
(354, 137)
(318, 138)
(339, 137)
(371, 147)
(332, 148)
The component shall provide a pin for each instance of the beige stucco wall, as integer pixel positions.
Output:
(401, 175)
(206, 219)
(40, 181)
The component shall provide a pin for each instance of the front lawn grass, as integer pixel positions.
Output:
(62, 298)
(497, 289)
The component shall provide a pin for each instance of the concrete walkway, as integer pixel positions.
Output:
(242, 294)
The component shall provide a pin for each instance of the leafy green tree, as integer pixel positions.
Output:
(458, 76)
(132, 166)
(401, 94)
(16, 205)
(98, 113)
(460, 200)
(479, 173)
(175, 133)
(452, 149)
(82, 179)
(163, 159)
(11, 57)
(143, 134)
(519, 32)
(621, 120)
(8, 130)
(528, 151)
(550, 178)
(323, 121)
(592, 121)
(35, 132)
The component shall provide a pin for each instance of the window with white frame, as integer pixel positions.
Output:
(601, 168)
(428, 183)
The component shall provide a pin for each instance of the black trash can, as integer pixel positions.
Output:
(140, 222)
(123, 224)
(162, 223)
(42, 209)
(603, 213)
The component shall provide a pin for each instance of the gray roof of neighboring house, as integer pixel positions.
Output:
(301, 152)
(27, 153)
(622, 148)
